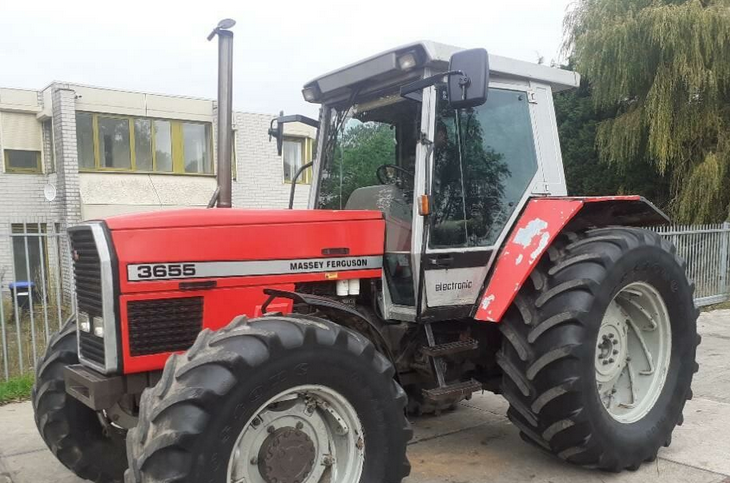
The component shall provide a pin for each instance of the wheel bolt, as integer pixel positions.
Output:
(300, 425)
(615, 341)
(628, 359)
(613, 391)
(254, 460)
(610, 336)
(271, 429)
(615, 352)
(328, 460)
(610, 361)
(605, 363)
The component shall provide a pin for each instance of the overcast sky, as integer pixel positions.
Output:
(160, 46)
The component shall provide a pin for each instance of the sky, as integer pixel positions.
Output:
(160, 46)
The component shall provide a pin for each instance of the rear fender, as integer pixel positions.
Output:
(536, 228)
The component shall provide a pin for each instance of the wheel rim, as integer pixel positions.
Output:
(306, 434)
(633, 352)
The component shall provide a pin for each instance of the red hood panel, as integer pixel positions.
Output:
(200, 217)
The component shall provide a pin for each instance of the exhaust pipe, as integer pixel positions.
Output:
(222, 194)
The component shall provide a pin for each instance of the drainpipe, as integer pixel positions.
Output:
(225, 111)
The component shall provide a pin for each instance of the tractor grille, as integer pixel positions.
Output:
(87, 272)
(165, 325)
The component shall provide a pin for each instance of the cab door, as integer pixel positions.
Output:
(483, 165)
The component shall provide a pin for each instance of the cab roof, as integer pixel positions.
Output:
(433, 54)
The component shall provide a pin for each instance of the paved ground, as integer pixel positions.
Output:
(476, 443)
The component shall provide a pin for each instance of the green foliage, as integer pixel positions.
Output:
(663, 67)
(465, 209)
(360, 151)
(585, 173)
(16, 389)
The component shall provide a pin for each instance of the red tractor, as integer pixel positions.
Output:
(440, 257)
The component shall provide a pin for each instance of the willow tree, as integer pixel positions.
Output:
(664, 67)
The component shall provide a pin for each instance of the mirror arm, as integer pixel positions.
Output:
(407, 91)
(282, 119)
(294, 182)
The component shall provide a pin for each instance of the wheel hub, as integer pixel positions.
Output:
(305, 434)
(633, 352)
(286, 456)
(611, 350)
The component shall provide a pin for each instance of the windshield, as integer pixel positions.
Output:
(483, 162)
(369, 144)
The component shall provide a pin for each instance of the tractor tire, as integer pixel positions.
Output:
(202, 420)
(71, 430)
(595, 298)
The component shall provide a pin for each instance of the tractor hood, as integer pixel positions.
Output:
(193, 218)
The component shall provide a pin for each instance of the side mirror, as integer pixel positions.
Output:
(469, 83)
(278, 131)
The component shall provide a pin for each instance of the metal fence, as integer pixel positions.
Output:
(35, 301)
(705, 248)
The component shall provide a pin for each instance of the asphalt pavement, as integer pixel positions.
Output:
(477, 444)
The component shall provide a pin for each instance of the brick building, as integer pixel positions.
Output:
(71, 152)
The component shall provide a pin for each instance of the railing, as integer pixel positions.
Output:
(705, 249)
(30, 315)
(35, 296)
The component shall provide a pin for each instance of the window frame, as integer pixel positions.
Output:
(10, 169)
(177, 144)
(525, 88)
(306, 143)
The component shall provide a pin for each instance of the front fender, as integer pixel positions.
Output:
(536, 228)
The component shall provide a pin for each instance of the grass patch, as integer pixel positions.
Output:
(16, 389)
(721, 306)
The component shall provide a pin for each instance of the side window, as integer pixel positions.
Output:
(484, 160)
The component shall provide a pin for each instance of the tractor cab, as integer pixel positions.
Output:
(449, 145)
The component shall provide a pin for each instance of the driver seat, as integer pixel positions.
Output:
(398, 212)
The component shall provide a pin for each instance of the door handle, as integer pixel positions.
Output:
(442, 261)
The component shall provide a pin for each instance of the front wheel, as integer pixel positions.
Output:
(276, 399)
(599, 348)
(72, 431)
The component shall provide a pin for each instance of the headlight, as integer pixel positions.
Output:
(84, 323)
(98, 327)
(407, 61)
(311, 93)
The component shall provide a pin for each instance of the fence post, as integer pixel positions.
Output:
(724, 257)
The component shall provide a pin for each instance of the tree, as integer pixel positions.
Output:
(664, 67)
(585, 173)
(361, 149)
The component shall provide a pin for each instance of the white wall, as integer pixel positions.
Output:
(260, 170)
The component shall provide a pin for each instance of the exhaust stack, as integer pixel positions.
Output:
(225, 111)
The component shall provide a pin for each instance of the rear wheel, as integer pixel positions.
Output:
(599, 348)
(280, 399)
(72, 431)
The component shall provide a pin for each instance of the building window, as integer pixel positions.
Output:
(122, 143)
(20, 161)
(296, 152)
(114, 143)
(27, 237)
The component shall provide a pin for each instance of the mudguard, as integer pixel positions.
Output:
(536, 228)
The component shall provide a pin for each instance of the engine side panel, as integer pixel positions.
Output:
(180, 280)
(541, 221)
(248, 255)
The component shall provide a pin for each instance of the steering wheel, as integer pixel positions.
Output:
(386, 177)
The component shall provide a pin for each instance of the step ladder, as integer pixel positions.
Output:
(435, 352)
